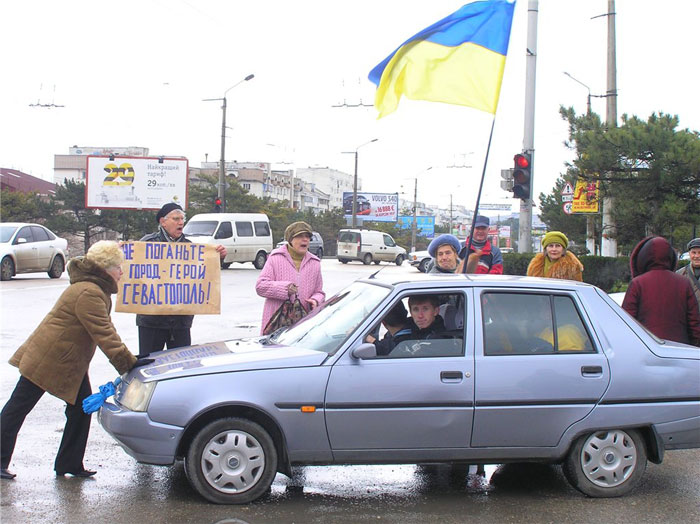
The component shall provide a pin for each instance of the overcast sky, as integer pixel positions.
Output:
(134, 73)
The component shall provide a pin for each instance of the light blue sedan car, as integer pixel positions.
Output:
(512, 369)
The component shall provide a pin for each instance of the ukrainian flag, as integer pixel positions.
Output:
(458, 60)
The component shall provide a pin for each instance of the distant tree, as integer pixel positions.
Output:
(131, 224)
(650, 168)
(71, 216)
(552, 213)
(16, 206)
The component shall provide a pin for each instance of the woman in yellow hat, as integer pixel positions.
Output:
(555, 261)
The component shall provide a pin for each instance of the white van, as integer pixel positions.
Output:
(246, 236)
(368, 246)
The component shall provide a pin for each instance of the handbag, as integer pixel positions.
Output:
(289, 313)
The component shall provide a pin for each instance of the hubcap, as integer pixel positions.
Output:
(233, 461)
(608, 458)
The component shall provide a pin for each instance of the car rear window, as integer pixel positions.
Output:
(347, 236)
(262, 229)
(244, 229)
(40, 234)
(532, 323)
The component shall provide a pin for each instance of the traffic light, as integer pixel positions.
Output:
(217, 205)
(522, 176)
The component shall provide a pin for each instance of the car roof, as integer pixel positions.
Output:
(19, 224)
(471, 280)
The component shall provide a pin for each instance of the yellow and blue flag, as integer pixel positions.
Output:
(458, 60)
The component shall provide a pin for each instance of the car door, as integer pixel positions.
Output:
(537, 367)
(224, 236)
(396, 405)
(244, 241)
(44, 247)
(25, 250)
(387, 248)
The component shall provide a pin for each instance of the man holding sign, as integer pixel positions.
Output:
(173, 331)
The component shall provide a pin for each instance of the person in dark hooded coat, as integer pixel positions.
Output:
(660, 299)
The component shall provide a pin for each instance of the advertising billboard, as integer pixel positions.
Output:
(425, 226)
(121, 182)
(377, 207)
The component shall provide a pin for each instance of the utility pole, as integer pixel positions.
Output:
(608, 241)
(450, 213)
(414, 223)
(525, 229)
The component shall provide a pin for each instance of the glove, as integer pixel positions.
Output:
(143, 362)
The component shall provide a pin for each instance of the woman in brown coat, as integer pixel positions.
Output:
(555, 261)
(56, 356)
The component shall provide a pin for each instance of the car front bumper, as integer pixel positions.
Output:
(147, 441)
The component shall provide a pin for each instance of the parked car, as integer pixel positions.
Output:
(526, 369)
(30, 248)
(421, 260)
(368, 246)
(315, 246)
(246, 236)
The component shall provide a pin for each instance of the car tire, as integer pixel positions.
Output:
(343, 260)
(367, 259)
(399, 260)
(607, 463)
(7, 269)
(57, 267)
(423, 266)
(225, 265)
(231, 461)
(376, 262)
(319, 253)
(260, 260)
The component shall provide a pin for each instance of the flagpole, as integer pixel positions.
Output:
(478, 197)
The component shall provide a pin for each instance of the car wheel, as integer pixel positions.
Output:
(343, 260)
(376, 262)
(231, 461)
(367, 259)
(225, 265)
(319, 253)
(606, 463)
(399, 260)
(260, 260)
(57, 267)
(423, 266)
(7, 269)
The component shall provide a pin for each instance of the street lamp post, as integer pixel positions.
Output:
(222, 168)
(414, 224)
(354, 182)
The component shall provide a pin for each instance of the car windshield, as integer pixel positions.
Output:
(6, 233)
(200, 228)
(327, 327)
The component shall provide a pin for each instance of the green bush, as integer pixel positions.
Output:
(608, 273)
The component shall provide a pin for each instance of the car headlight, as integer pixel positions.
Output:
(137, 395)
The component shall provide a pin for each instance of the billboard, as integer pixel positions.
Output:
(377, 207)
(135, 182)
(425, 226)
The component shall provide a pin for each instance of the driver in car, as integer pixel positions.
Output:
(426, 322)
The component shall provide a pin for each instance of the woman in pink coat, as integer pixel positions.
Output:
(290, 270)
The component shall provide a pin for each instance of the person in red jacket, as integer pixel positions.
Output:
(660, 299)
(490, 259)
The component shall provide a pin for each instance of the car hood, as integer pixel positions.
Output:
(226, 356)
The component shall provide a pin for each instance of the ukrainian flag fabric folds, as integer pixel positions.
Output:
(458, 60)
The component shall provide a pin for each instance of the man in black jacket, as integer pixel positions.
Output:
(173, 331)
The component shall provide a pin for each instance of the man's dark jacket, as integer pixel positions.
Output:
(164, 321)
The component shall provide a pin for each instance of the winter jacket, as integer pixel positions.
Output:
(164, 321)
(57, 355)
(568, 267)
(688, 273)
(490, 261)
(660, 299)
(279, 272)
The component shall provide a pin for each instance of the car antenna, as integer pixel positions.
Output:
(376, 272)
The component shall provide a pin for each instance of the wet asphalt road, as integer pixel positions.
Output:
(125, 492)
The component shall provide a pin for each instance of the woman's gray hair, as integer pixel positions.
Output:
(105, 254)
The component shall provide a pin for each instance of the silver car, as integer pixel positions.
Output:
(30, 248)
(521, 369)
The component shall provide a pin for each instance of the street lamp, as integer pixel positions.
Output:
(222, 194)
(414, 223)
(354, 183)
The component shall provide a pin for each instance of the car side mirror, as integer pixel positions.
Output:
(365, 351)
(21, 240)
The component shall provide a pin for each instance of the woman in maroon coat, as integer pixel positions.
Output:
(660, 299)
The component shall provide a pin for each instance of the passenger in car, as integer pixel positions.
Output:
(444, 251)
(396, 324)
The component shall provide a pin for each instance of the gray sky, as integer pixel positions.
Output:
(134, 73)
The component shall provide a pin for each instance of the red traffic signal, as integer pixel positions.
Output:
(522, 176)
(217, 201)
(217, 205)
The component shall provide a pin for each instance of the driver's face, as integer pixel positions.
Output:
(423, 314)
